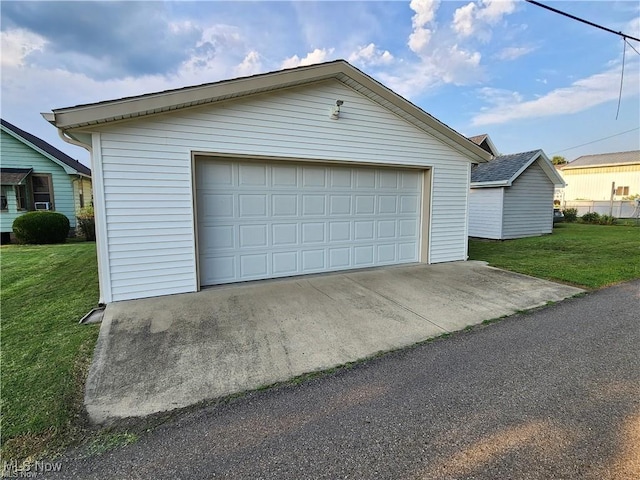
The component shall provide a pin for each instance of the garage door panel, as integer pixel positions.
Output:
(259, 220)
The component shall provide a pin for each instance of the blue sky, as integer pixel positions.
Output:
(528, 77)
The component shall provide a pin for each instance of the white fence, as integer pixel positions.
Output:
(621, 209)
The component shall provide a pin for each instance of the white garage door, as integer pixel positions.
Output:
(264, 220)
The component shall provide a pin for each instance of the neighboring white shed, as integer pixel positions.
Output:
(512, 196)
(313, 169)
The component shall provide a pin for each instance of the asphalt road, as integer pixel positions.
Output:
(553, 393)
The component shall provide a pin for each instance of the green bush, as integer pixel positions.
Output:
(41, 228)
(570, 214)
(607, 220)
(591, 217)
(87, 224)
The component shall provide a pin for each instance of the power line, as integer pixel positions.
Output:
(596, 141)
(623, 35)
(624, 52)
(631, 46)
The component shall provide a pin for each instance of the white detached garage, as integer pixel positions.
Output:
(267, 176)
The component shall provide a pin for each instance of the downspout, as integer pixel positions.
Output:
(66, 138)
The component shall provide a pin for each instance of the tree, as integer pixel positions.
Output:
(558, 160)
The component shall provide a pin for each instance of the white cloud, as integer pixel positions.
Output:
(463, 20)
(425, 14)
(419, 40)
(425, 11)
(505, 106)
(475, 17)
(17, 44)
(370, 55)
(511, 53)
(317, 56)
(251, 65)
(492, 11)
(445, 64)
(633, 27)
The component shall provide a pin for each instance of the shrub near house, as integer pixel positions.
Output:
(86, 223)
(41, 228)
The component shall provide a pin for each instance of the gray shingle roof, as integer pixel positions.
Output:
(600, 160)
(47, 147)
(502, 168)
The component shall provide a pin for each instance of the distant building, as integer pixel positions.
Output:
(37, 176)
(590, 177)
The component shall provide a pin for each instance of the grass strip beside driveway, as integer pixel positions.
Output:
(45, 291)
(589, 256)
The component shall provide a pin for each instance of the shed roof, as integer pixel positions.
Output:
(82, 117)
(45, 148)
(502, 171)
(604, 160)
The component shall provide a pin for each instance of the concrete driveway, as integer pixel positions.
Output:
(169, 352)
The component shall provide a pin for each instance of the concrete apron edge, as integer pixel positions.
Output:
(101, 411)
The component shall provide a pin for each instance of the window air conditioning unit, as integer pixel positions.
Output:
(42, 205)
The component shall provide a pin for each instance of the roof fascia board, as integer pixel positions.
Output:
(601, 165)
(498, 183)
(451, 137)
(533, 158)
(103, 112)
(85, 115)
(492, 146)
(550, 170)
(69, 170)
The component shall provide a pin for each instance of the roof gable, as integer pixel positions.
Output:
(604, 160)
(505, 169)
(85, 116)
(484, 141)
(70, 165)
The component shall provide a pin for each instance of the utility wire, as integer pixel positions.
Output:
(627, 42)
(623, 35)
(596, 141)
(624, 52)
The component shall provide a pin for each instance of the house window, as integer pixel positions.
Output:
(42, 191)
(3, 202)
(622, 191)
(21, 197)
(81, 199)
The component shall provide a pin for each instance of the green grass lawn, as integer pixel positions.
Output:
(590, 256)
(45, 290)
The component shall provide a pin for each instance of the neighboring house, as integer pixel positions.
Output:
(37, 176)
(312, 169)
(591, 177)
(512, 196)
(484, 142)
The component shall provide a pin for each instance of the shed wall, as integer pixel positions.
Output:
(528, 205)
(485, 212)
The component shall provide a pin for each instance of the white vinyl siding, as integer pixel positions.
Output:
(528, 205)
(16, 154)
(485, 212)
(148, 178)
